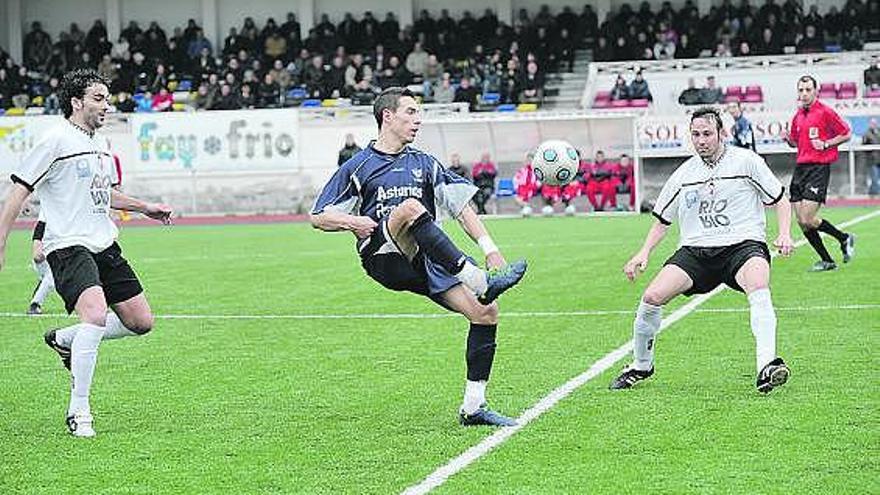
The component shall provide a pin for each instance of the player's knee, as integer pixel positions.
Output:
(410, 208)
(141, 325)
(654, 297)
(486, 315)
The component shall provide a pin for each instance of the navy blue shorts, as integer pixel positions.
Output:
(385, 263)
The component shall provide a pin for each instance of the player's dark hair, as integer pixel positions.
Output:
(74, 84)
(808, 78)
(708, 113)
(389, 99)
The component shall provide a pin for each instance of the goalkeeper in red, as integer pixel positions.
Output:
(718, 198)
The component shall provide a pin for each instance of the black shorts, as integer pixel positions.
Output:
(810, 182)
(384, 262)
(75, 269)
(708, 267)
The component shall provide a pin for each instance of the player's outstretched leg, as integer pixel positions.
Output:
(500, 280)
(645, 328)
(775, 374)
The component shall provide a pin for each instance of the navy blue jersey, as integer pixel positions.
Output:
(372, 183)
(743, 136)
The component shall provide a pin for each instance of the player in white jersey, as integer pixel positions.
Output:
(718, 197)
(72, 172)
(46, 282)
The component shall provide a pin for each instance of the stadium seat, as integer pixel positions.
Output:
(297, 94)
(733, 93)
(601, 103)
(506, 107)
(847, 91)
(178, 107)
(491, 98)
(15, 112)
(172, 86)
(639, 103)
(619, 103)
(2, 111)
(504, 189)
(311, 103)
(329, 102)
(828, 91)
(184, 85)
(872, 93)
(753, 94)
(527, 107)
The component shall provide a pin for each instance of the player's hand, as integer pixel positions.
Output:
(636, 265)
(818, 144)
(495, 260)
(363, 226)
(784, 244)
(159, 211)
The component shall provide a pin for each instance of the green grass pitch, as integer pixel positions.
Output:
(239, 399)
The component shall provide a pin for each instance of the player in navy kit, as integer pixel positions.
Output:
(390, 196)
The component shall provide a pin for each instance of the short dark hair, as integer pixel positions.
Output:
(74, 84)
(709, 113)
(389, 99)
(808, 78)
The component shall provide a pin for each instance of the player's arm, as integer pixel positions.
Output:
(783, 241)
(156, 211)
(474, 227)
(335, 221)
(639, 262)
(18, 193)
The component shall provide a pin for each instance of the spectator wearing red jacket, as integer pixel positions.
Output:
(526, 185)
(628, 178)
(602, 181)
(484, 173)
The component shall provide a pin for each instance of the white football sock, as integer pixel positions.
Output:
(474, 396)
(47, 284)
(64, 337)
(115, 329)
(763, 319)
(645, 327)
(474, 278)
(84, 355)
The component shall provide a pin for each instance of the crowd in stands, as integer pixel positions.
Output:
(449, 60)
(729, 30)
(637, 89)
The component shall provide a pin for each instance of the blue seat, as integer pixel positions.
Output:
(491, 98)
(185, 85)
(505, 188)
(311, 103)
(297, 94)
(507, 107)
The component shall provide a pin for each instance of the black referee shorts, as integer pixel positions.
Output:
(810, 181)
(709, 267)
(75, 269)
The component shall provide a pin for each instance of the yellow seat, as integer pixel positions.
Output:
(329, 102)
(172, 85)
(37, 101)
(527, 107)
(178, 107)
(14, 112)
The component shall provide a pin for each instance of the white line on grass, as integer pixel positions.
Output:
(428, 316)
(443, 473)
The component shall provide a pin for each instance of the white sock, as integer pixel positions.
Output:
(474, 278)
(114, 329)
(763, 319)
(645, 327)
(474, 396)
(64, 337)
(47, 284)
(84, 355)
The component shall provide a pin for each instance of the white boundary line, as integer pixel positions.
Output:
(439, 476)
(432, 316)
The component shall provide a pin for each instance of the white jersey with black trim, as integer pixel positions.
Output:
(72, 173)
(719, 205)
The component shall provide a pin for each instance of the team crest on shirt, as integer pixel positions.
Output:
(691, 198)
(417, 174)
(83, 171)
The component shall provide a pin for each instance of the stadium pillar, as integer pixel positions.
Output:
(112, 20)
(603, 7)
(306, 16)
(504, 11)
(405, 14)
(13, 26)
(209, 24)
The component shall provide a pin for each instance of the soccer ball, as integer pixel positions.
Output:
(555, 163)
